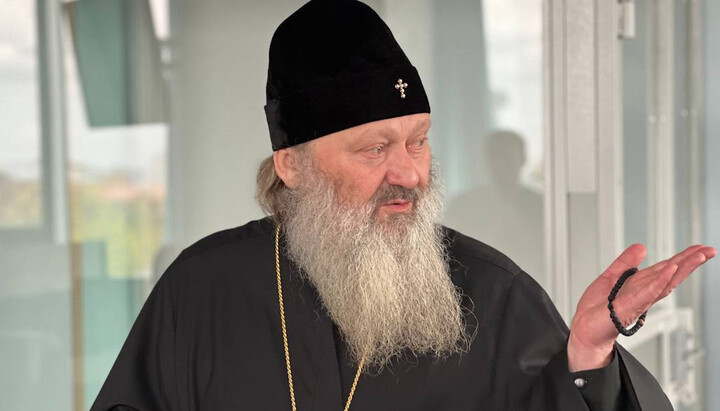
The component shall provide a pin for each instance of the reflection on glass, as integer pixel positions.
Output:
(20, 162)
(118, 190)
(118, 60)
(504, 213)
(498, 197)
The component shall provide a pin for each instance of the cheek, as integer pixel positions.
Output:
(361, 184)
(424, 171)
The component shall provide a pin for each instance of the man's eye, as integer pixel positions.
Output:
(420, 142)
(376, 151)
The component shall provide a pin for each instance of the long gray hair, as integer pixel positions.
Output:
(270, 187)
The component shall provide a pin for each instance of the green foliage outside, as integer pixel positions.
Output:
(126, 217)
(20, 203)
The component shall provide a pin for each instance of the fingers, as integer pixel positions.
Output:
(686, 265)
(642, 290)
(710, 252)
(677, 258)
(653, 283)
(633, 256)
(660, 282)
(656, 280)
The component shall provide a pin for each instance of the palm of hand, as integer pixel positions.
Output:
(592, 332)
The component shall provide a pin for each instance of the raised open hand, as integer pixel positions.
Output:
(592, 333)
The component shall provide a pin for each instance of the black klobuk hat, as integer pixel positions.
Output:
(334, 64)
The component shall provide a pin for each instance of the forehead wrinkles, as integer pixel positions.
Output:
(396, 130)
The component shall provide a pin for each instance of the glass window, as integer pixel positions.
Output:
(481, 63)
(20, 138)
(117, 176)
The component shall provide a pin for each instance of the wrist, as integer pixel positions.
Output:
(587, 357)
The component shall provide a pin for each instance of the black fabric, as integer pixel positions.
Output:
(209, 338)
(333, 65)
(603, 387)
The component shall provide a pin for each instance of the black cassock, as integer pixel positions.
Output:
(209, 338)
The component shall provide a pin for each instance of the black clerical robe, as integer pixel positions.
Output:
(209, 338)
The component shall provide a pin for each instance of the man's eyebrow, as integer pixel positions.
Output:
(382, 132)
(424, 124)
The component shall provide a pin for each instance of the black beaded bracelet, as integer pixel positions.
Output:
(640, 322)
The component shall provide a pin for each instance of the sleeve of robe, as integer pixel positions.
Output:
(143, 376)
(534, 331)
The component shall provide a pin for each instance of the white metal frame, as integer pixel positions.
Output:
(583, 146)
(556, 213)
(54, 131)
(53, 223)
(610, 199)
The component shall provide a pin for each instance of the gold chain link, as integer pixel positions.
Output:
(285, 339)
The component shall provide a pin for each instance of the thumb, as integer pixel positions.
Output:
(631, 257)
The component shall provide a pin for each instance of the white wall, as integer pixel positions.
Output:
(220, 134)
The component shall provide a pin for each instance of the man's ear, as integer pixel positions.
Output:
(287, 166)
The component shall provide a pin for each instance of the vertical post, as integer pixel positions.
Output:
(556, 212)
(661, 162)
(573, 118)
(697, 198)
(78, 357)
(52, 95)
(711, 187)
(664, 80)
(56, 207)
(609, 119)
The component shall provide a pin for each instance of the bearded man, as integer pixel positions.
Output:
(351, 295)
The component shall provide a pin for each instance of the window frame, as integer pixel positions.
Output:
(54, 216)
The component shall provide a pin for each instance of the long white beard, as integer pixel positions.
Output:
(386, 284)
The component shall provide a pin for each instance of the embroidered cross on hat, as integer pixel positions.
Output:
(401, 86)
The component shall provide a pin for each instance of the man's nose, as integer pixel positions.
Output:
(402, 170)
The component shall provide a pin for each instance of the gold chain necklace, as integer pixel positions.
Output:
(285, 339)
